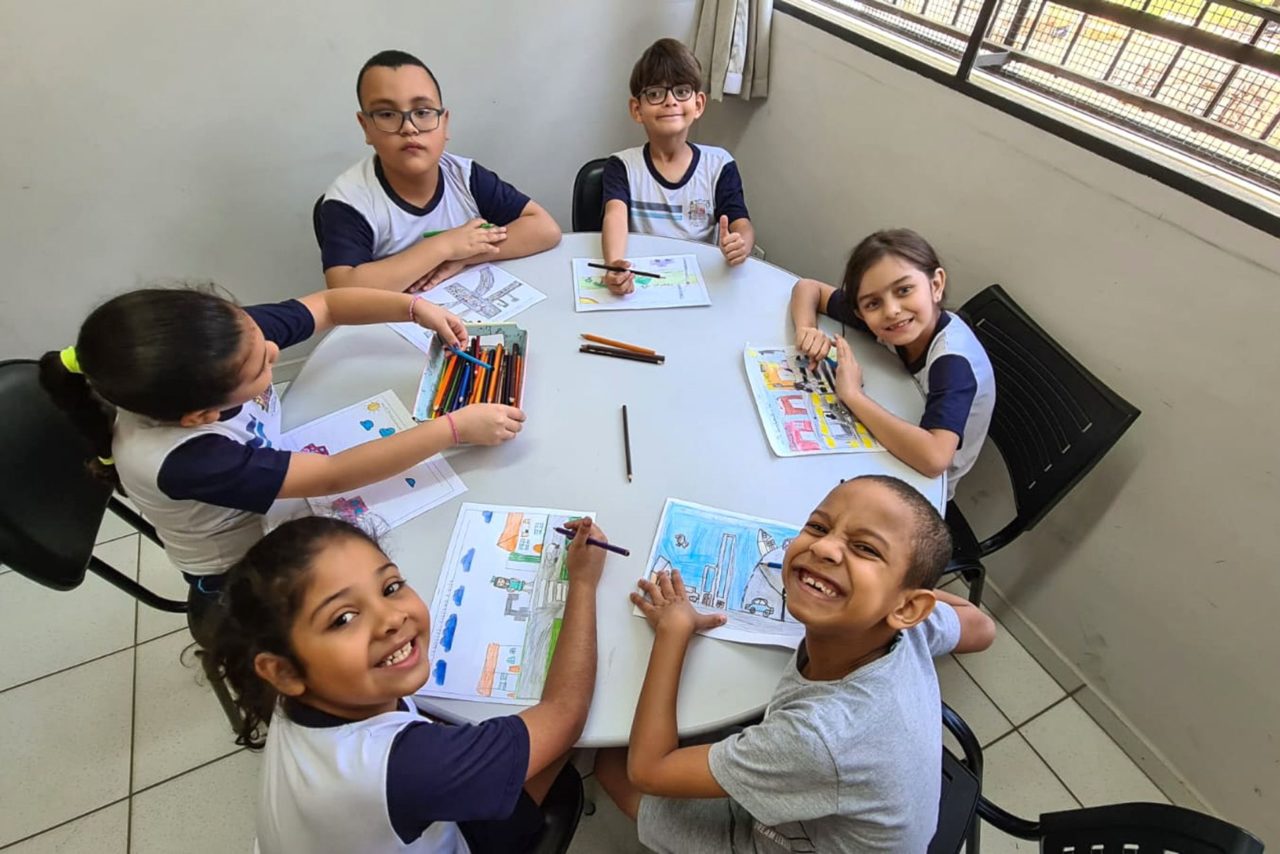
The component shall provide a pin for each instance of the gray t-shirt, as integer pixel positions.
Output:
(852, 765)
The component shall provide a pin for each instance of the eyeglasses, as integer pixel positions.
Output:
(391, 121)
(655, 95)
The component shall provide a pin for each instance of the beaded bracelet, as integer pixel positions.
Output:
(412, 303)
(453, 428)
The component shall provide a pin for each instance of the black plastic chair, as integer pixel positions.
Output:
(49, 526)
(1135, 828)
(960, 792)
(561, 810)
(316, 222)
(1053, 422)
(588, 196)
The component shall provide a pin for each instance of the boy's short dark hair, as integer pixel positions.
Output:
(931, 539)
(667, 62)
(394, 59)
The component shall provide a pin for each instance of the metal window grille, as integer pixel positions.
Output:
(1200, 76)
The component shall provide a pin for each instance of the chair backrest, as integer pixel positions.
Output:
(1053, 420)
(50, 508)
(1142, 829)
(588, 196)
(960, 791)
(315, 221)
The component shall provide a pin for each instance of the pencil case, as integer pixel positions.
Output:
(511, 337)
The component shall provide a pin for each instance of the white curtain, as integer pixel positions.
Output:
(733, 46)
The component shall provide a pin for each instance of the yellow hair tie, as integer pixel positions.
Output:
(107, 461)
(70, 361)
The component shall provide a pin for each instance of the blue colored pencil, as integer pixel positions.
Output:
(470, 358)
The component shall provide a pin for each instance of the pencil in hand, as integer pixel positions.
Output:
(612, 268)
(592, 541)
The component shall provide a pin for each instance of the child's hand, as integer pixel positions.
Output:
(475, 238)
(487, 423)
(619, 283)
(446, 324)
(445, 271)
(667, 607)
(848, 372)
(814, 343)
(732, 246)
(585, 562)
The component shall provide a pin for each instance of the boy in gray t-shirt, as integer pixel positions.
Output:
(848, 755)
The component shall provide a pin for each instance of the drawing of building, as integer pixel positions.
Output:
(717, 577)
(500, 671)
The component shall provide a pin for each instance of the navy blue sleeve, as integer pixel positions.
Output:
(499, 202)
(729, 199)
(614, 180)
(346, 238)
(438, 772)
(952, 388)
(219, 470)
(839, 308)
(283, 323)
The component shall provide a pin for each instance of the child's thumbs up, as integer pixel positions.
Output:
(724, 229)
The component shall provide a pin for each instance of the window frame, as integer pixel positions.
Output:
(1218, 188)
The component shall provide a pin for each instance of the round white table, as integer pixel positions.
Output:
(695, 435)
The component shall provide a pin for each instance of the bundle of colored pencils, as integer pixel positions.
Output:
(620, 350)
(483, 375)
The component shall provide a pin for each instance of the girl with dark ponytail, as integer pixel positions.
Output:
(172, 388)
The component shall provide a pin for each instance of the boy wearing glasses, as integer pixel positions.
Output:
(412, 215)
(669, 186)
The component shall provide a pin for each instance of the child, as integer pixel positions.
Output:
(173, 390)
(322, 638)
(893, 287)
(411, 215)
(848, 755)
(669, 186)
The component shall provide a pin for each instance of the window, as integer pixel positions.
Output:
(1198, 76)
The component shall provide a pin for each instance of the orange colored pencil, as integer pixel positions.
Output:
(482, 382)
(446, 375)
(491, 397)
(622, 345)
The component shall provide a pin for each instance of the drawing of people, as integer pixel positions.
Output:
(515, 585)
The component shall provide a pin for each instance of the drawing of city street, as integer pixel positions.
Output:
(724, 559)
(498, 607)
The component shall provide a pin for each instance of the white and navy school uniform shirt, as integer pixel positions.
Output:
(393, 782)
(690, 208)
(957, 380)
(205, 488)
(363, 219)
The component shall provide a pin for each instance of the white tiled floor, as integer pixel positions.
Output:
(113, 747)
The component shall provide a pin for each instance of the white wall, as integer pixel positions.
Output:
(153, 139)
(1158, 577)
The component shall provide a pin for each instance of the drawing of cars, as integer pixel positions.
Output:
(759, 607)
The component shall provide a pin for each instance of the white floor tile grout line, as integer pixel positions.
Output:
(54, 827)
(193, 768)
(88, 661)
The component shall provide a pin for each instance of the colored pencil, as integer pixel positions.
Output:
(455, 380)
(622, 354)
(464, 386)
(447, 367)
(517, 390)
(463, 354)
(482, 381)
(613, 269)
(626, 440)
(505, 392)
(592, 541)
(621, 345)
(496, 380)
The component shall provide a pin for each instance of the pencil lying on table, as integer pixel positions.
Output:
(592, 541)
(656, 359)
(621, 345)
(614, 269)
